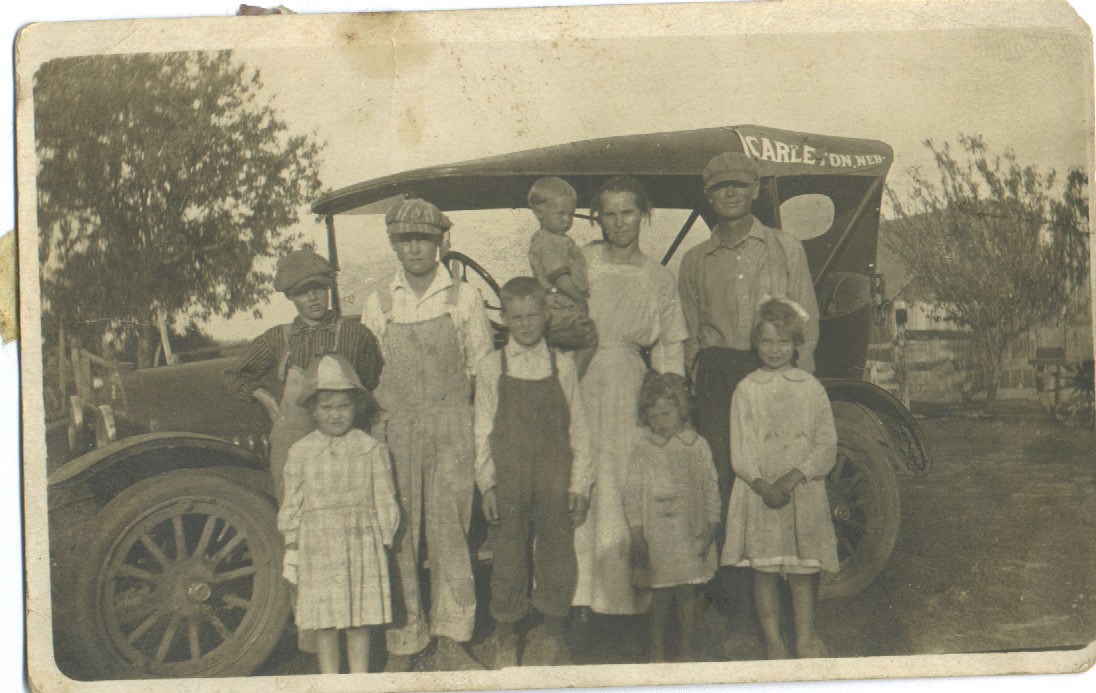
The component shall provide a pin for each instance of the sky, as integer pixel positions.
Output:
(463, 93)
(459, 99)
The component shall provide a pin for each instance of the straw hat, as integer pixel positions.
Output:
(329, 372)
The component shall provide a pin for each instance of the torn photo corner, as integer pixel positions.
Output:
(918, 180)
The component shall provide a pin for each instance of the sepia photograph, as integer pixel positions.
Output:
(557, 347)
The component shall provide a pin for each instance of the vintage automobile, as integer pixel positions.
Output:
(181, 574)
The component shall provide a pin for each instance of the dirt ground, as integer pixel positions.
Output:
(996, 548)
(996, 551)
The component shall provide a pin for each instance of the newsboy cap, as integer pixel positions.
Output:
(300, 267)
(730, 166)
(416, 216)
(329, 372)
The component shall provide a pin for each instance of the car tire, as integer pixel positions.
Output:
(145, 609)
(865, 509)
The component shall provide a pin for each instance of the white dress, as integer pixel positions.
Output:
(781, 420)
(672, 492)
(633, 307)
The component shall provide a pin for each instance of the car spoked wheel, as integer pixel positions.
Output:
(184, 579)
(864, 507)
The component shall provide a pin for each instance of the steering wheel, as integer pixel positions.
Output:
(458, 265)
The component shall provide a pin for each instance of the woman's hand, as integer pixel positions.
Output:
(578, 505)
(640, 551)
(491, 505)
(707, 538)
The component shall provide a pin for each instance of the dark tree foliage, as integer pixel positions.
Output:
(997, 245)
(162, 180)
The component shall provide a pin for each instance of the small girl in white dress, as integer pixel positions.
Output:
(339, 514)
(783, 443)
(671, 500)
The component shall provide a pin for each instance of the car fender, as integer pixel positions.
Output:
(141, 456)
(891, 423)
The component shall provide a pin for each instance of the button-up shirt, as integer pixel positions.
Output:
(306, 341)
(469, 315)
(721, 287)
(530, 363)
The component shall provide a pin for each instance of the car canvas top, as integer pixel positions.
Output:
(668, 163)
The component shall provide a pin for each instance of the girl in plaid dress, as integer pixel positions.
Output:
(339, 514)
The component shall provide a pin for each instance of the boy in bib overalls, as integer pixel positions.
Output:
(535, 473)
(283, 353)
(433, 331)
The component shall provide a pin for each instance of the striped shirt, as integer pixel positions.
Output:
(261, 361)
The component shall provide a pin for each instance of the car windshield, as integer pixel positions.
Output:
(498, 240)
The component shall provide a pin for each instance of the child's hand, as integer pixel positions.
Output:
(640, 552)
(491, 505)
(790, 480)
(707, 538)
(269, 403)
(774, 496)
(289, 566)
(577, 504)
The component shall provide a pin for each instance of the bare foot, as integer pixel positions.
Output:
(776, 650)
(506, 650)
(812, 648)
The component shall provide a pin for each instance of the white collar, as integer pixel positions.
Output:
(685, 434)
(793, 374)
(442, 281)
(516, 350)
(356, 434)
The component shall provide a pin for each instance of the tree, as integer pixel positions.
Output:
(997, 245)
(163, 180)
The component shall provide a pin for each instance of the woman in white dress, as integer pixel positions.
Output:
(634, 303)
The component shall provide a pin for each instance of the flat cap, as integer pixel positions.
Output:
(300, 267)
(416, 216)
(328, 372)
(730, 166)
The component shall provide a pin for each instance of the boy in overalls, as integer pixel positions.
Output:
(433, 330)
(533, 457)
(286, 350)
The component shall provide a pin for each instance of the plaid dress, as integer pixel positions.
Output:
(340, 507)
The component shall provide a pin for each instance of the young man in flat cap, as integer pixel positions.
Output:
(286, 350)
(433, 331)
(721, 281)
